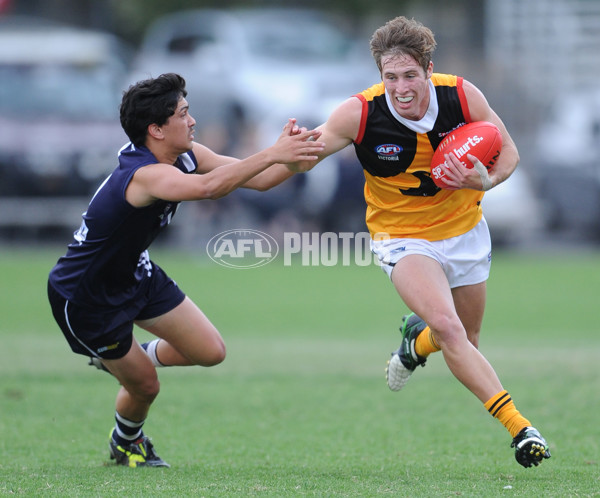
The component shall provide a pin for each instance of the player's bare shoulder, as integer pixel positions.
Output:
(208, 160)
(138, 191)
(204, 157)
(478, 104)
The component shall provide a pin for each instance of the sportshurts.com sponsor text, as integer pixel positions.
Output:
(249, 248)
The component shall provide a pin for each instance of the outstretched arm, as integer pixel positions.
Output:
(269, 178)
(163, 181)
(337, 132)
(277, 173)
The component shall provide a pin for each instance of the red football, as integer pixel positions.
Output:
(480, 138)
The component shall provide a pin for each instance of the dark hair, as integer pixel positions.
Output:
(402, 36)
(151, 101)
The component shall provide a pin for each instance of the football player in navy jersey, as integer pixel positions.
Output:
(106, 282)
(433, 243)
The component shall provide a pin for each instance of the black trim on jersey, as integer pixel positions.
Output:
(382, 128)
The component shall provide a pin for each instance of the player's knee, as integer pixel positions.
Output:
(151, 390)
(216, 353)
(447, 328)
(473, 336)
(210, 353)
(145, 391)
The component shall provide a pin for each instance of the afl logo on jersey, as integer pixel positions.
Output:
(388, 152)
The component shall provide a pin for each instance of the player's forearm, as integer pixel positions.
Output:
(507, 163)
(301, 166)
(269, 178)
(225, 179)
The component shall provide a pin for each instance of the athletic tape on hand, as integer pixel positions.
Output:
(486, 182)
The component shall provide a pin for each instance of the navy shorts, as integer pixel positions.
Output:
(108, 332)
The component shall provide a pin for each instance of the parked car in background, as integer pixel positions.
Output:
(59, 95)
(248, 66)
(513, 212)
(60, 89)
(567, 170)
(248, 71)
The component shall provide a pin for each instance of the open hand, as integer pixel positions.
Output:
(297, 144)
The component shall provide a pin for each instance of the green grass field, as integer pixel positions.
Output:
(300, 406)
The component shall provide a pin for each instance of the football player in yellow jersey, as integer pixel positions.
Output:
(433, 243)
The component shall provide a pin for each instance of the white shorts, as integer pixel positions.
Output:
(466, 259)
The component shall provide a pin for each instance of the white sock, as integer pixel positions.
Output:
(150, 348)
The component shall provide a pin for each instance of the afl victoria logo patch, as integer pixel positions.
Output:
(388, 152)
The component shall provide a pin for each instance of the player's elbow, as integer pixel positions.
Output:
(214, 195)
(262, 187)
(510, 150)
(302, 167)
(214, 190)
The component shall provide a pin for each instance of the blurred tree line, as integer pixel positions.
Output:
(129, 18)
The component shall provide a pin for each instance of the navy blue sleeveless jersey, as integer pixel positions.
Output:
(107, 264)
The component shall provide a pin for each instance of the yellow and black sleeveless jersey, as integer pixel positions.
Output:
(402, 199)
